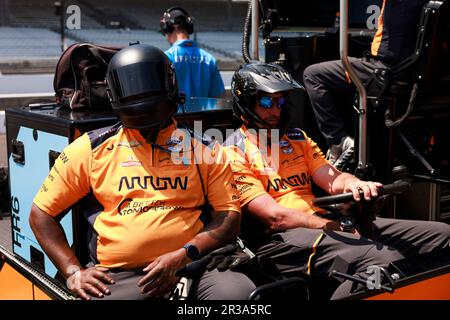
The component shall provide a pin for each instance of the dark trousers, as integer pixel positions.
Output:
(213, 285)
(292, 252)
(323, 80)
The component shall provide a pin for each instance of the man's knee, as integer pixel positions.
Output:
(381, 256)
(427, 236)
(442, 228)
(227, 285)
(310, 74)
(442, 233)
(358, 252)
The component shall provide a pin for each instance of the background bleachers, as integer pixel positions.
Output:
(210, 15)
(39, 14)
(30, 29)
(29, 42)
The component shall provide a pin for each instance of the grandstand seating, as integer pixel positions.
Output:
(211, 15)
(29, 42)
(30, 28)
(119, 37)
(223, 45)
(41, 14)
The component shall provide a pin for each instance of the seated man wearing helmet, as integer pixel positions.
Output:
(274, 169)
(196, 69)
(142, 193)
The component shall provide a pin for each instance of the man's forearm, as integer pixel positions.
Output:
(286, 218)
(223, 229)
(52, 239)
(341, 182)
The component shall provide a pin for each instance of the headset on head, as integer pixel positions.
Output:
(167, 22)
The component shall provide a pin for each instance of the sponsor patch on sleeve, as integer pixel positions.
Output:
(295, 134)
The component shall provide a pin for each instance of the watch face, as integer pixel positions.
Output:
(347, 224)
(192, 251)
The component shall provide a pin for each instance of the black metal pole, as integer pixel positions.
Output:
(63, 35)
(59, 11)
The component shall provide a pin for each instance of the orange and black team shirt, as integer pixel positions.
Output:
(398, 25)
(142, 200)
(289, 182)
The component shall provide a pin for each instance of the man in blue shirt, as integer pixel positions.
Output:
(195, 69)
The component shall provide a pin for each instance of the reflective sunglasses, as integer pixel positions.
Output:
(267, 102)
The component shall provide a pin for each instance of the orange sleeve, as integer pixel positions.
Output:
(68, 180)
(379, 34)
(247, 182)
(314, 155)
(222, 192)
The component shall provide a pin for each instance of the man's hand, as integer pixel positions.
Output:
(230, 257)
(160, 277)
(333, 181)
(225, 260)
(358, 187)
(90, 282)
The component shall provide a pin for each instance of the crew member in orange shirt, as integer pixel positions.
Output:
(143, 194)
(274, 170)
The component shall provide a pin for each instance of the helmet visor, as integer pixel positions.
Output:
(141, 78)
(266, 102)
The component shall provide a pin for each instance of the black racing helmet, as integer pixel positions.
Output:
(254, 78)
(142, 87)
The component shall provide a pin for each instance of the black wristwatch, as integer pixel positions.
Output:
(347, 224)
(192, 251)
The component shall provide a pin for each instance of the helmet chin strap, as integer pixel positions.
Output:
(151, 134)
(258, 121)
